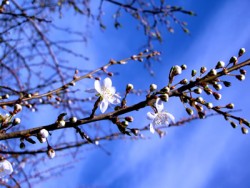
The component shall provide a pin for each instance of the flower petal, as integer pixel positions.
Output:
(114, 100)
(98, 86)
(159, 105)
(104, 105)
(171, 117)
(107, 82)
(112, 90)
(151, 128)
(151, 115)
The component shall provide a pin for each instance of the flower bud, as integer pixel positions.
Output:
(16, 121)
(6, 96)
(241, 52)
(230, 106)
(217, 86)
(227, 84)
(233, 60)
(22, 145)
(198, 90)
(43, 133)
(51, 153)
(193, 73)
(61, 123)
(213, 72)
(164, 97)
(176, 70)
(165, 90)
(200, 100)
(129, 88)
(234, 125)
(184, 67)
(189, 111)
(220, 64)
(42, 140)
(243, 71)
(124, 123)
(203, 70)
(73, 119)
(209, 105)
(129, 118)
(135, 131)
(153, 87)
(201, 115)
(184, 81)
(240, 77)
(244, 130)
(17, 108)
(217, 96)
(208, 90)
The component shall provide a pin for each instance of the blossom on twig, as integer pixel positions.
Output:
(107, 93)
(160, 117)
(5, 168)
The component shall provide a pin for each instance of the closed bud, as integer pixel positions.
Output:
(124, 123)
(209, 105)
(165, 90)
(233, 60)
(241, 52)
(184, 67)
(164, 97)
(129, 118)
(184, 81)
(217, 86)
(234, 125)
(208, 90)
(201, 115)
(16, 121)
(203, 70)
(22, 145)
(198, 90)
(43, 133)
(189, 111)
(193, 73)
(230, 106)
(242, 71)
(227, 84)
(220, 64)
(73, 119)
(175, 70)
(42, 140)
(244, 130)
(153, 87)
(213, 72)
(51, 153)
(61, 123)
(129, 88)
(240, 77)
(17, 108)
(200, 99)
(135, 131)
(6, 96)
(217, 96)
(199, 108)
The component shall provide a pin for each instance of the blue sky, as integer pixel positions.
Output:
(204, 153)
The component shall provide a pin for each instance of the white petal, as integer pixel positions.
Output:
(98, 86)
(107, 82)
(112, 90)
(159, 105)
(151, 128)
(151, 115)
(104, 105)
(170, 116)
(5, 168)
(114, 100)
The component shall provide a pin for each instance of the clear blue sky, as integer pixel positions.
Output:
(204, 153)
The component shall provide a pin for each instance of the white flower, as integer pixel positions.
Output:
(107, 92)
(161, 117)
(43, 133)
(5, 168)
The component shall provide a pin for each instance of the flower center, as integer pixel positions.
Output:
(161, 118)
(106, 93)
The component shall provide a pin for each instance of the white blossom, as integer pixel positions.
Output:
(5, 168)
(107, 92)
(161, 117)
